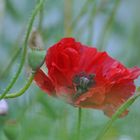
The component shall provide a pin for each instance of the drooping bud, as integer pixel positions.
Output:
(3, 107)
(36, 54)
(36, 58)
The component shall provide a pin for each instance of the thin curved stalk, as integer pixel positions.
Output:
(126, 105)
(25, 44)
(21, 91)
(18, 51)
(8, 67)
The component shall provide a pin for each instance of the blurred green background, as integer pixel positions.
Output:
(110, 25)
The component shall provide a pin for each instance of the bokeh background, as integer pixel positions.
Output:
(109, 25)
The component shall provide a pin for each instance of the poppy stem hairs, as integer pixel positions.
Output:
(22, 90)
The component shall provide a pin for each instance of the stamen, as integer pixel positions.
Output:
(83, 82)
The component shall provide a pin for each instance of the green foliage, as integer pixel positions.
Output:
(108, 24)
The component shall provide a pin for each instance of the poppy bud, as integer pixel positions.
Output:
(36, 58)
(37, 54)
(3, 107)
(36, 41)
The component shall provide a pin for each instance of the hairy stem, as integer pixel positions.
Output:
(29, 28)
(21, 91)
(8, 67)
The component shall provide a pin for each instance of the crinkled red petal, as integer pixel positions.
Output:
(44, 82)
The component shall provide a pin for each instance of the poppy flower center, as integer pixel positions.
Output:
(83, 82)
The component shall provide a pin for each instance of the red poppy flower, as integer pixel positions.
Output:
(86, 77)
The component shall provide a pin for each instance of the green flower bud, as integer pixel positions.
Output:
(37, 54)
(36, 58)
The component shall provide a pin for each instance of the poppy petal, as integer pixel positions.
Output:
(44, 82)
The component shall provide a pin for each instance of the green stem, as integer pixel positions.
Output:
(79, 123)
(21, 91)
(41, 16)
(126, 105)
(8, 67)
(18, 51)
(25, 44)
(107, 26)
